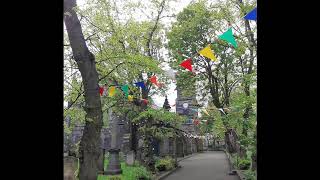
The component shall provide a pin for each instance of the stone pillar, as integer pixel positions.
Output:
(101, 162)
(171, 146)
(185, 147)
(194, 145)
(175, 150)
(189, 146)
(114, 166)
(180, 152)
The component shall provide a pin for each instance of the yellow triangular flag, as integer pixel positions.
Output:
(130, 98)
(207, 52)
(112, 91)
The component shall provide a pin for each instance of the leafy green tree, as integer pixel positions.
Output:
(124, 49)
(156, 124)
(228, 83)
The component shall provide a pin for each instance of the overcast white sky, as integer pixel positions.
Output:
(171, 93)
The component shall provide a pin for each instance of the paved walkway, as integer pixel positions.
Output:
(212, 165)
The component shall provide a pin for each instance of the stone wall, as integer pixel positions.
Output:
(185, 146)
(77, 132)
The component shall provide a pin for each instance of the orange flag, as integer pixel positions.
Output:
(112, 91)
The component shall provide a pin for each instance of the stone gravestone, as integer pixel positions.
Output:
(114, 166)
(125, 147)
(69, 168)
(130, 158)
(140, 149)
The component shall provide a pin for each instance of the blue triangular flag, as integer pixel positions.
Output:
(140, 84)
(252, 15)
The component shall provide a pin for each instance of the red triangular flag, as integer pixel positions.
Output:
(101, 90)
(153, 80)
(187, 64)
(145, 101)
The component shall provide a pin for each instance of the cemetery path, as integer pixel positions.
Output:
(204, 166)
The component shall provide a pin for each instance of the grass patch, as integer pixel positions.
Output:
(128, 173)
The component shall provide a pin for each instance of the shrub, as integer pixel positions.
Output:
(250, 175)
(142, 174)
(165, 164)
(244, 164)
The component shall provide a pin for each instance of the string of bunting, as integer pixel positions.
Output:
(187, 64)
(226, 36)
(111, 91)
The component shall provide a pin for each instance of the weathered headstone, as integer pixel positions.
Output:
(101, 161)
(70, 165)
(140, 143)
(114, 166)
(125, 143)
(164, 147)
(130, 158)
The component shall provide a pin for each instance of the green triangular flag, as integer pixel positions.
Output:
(227, 36)
(125, 89)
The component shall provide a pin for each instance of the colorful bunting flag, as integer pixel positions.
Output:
(187, 64)
(140, 84)
(153, 80)
(112, 91)
(130, 98)
(227, 36)
(252, 15)
(101, 90)
(207, 52)
(145, 101)
(125, 89)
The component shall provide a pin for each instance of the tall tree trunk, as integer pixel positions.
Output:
(148, 150)
(254, 155)
(212, 86)
(229, 141)
(252, 46)
(247, 110)
(148, 159)
(145, 94)
(89, 150)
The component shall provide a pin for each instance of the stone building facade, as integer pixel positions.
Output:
(184, 145)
